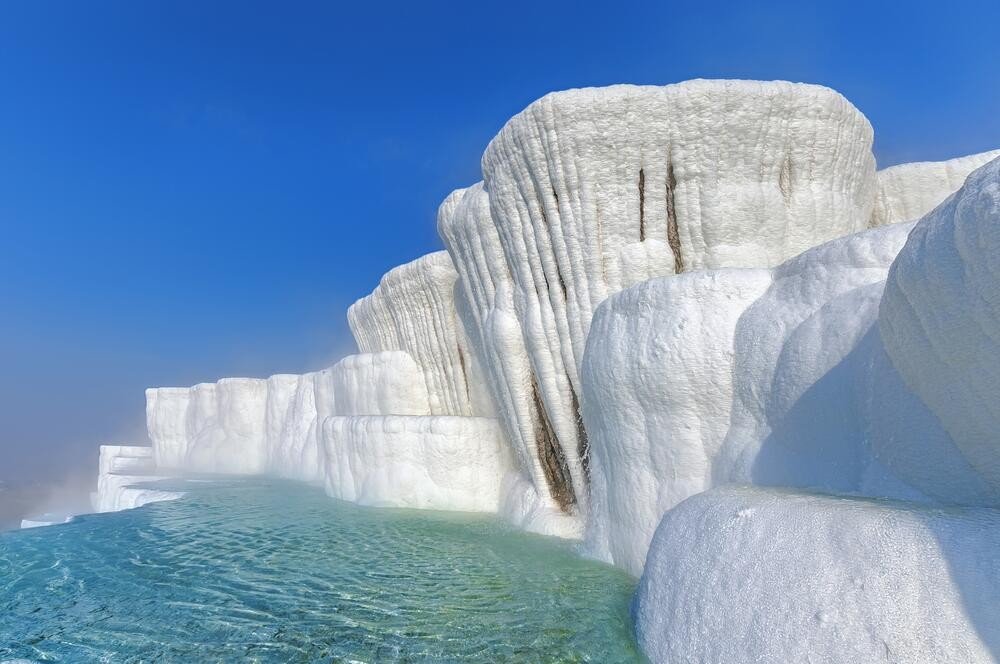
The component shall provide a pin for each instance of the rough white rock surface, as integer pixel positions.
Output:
(413, 310)
(522, 505)
(909, 191)
(226, 427)
(657, 392)
(291, 441)
(124, 492)
(750, 575)
(594, 190)
(122, 472)
(438, 462)
(940, 320)
(484, 288)
(798, 371)
(910, 448)
(166, 424)
(47, 519)
(125, 460)
(737, 375)
(383, 383)
(251, 426)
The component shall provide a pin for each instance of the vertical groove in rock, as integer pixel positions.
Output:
(413, 310)
(583, 443)
(550, 454)
(642, 205)
(498, 341)
(673, 235)
(465, 372)
(785, 180)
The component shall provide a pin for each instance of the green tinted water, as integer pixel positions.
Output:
(277, 572)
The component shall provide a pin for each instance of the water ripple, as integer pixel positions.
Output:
(262, 571)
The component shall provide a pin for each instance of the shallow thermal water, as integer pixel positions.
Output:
(274, 571)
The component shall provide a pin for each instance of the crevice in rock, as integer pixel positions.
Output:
(583, 443)
(550, 454)
(465, 373)
(673, 235)
(642, 205)
(785, 180)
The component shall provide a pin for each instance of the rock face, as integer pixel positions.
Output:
(248, 426)
(751, 575)
(544, 494)
(800, 387)
(384, 383)
(736, 375)
(657, 381)
(850, 384)
(439, 462)
(211, 427)
(799, 373)
(413, 310)
(940, 321)
(909, 191)
(47, 519)
(123, 472)
(366, 426)
(593, 190)
(656, 294)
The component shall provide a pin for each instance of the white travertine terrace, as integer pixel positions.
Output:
(254, 426)
(413, 310)
(439, 462)
(796, 393)
(733, 375)
(593, 190)
(47, 519)
(940, 320)
(657, 293)
(384, 383)
(859, 387)
(123, 469)
(166, 424)
(495, 333)
(291, 438)
(657, 381)
(771, 576)
(909, 191)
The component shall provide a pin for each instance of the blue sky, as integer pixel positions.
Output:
(191, 190)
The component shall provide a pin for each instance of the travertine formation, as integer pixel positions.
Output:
(797, 391)
(124, 474)
(383, 383)
(909, 191)
(882, 388)
(940, 321)
(413, 310)
(485, 289)
(655, 294)
(752, 575)
(254, 426)
(657, 379)
(440, 462)
(593, 190)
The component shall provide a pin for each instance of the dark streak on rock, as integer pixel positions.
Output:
(673, 236)
(583, 442)
(550, 454)
(465, 373)
(642, 205)
(785, 180)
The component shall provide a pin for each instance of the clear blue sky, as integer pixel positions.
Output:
(191, 190)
